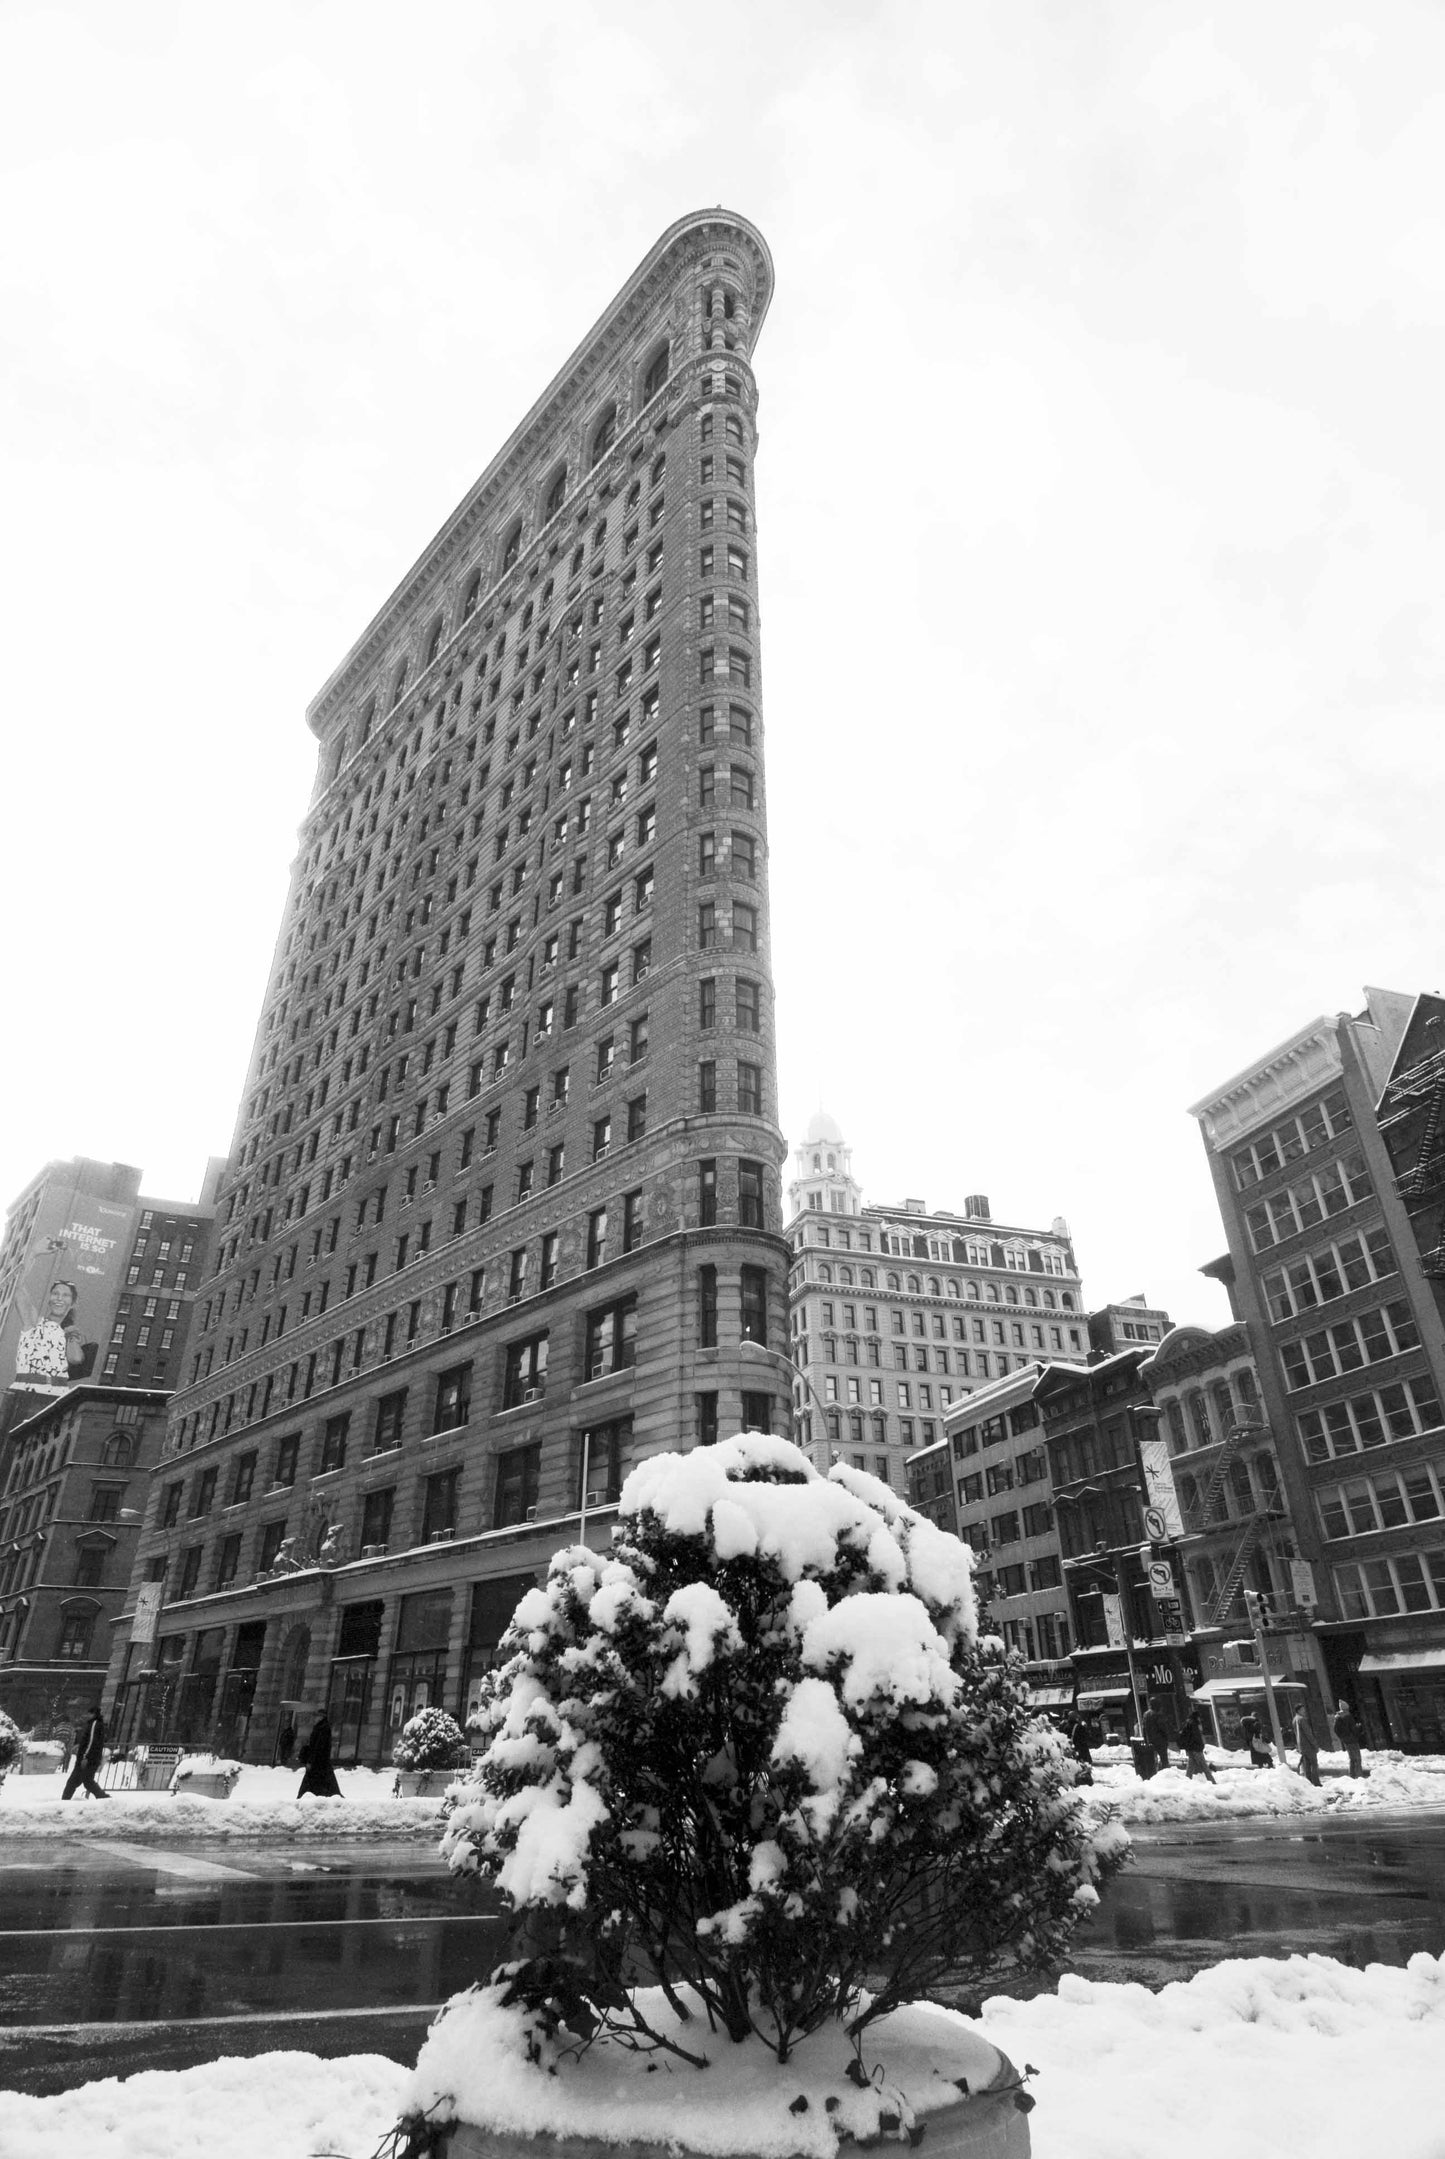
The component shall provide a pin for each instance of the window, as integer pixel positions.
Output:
(453, 1398)
(171, 1506)
(190, 1572)
(518, 1476)
(525, 1371)
(753, 1287)
(641, 961)
(601, 1452)
(612, 1338)
(707, 1193)
(376, 1520)
(333, 1443)
(706, 854)
(287, 1454)
(439, 1506)
(707, 1002)
(601, 1137)
(203, 1492)
(745, 927)
(747, 1006)
(1312, 1128)
(707, 925)
(631, 1221)
(608, 986)
(389, 1413)
(637, 1039)
(77, 1627)
(603, 437)
(750, 1089)
(637, 1117)
(750, 1194)
(597, 1237)
(272, 1536)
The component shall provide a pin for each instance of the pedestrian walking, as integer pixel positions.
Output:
(1347, 1732)
(1309, 1753)
(1080, 1735)
(320, 1778)
(89, 1752)
(1261, 1753)
(1156, 1732)
(1191, 1739)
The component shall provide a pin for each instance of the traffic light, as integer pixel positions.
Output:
(1259, 1605)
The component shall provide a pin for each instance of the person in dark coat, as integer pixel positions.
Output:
(1191, 1739)
(1081, 1734)
(1309, 1753)
(89, 1753)
(320, 1777)
(1156, 1733)
(1347, 1732)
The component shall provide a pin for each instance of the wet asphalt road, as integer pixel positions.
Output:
(116, 1957)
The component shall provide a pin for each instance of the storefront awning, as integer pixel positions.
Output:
(1213, 1689)
(1096, 1695)
(1403, 1660)
(1049, 1697)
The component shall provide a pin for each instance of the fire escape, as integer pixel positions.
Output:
(1422, 1184)
(1253, 1527)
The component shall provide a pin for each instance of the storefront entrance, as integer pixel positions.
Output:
(418, 1675)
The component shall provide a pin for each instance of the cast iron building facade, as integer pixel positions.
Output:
(503, 1205)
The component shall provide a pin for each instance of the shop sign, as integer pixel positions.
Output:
(1302, 1584)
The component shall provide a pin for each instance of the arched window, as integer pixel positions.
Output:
(913, 1285)
(869, 1280)
(513, 546)
(367, 717)
(119, 1451)
(1199, 1419)
(845, 1276)
(1066, 1297)
(892, 1281)
(991, 1289)
(1011, 1295)
(1178, 1437)
(1223, 1406)
(1241, 1487)
(1031, 1297)
(952, 1287)
(473, 595)
(1188, 1492)
(399, 685)
(1049, 1300)
(832, 1161)
(604, 434)
(556, 494)
(970, 1291)
(434, 642)
(1245, 1388)
(825, 1272)
(658, 369)
(817, 1162)
(933, 1288)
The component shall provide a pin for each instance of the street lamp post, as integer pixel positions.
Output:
(1113, 1571)
(761, 1349)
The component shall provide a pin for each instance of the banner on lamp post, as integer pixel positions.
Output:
(1114, 1621)
(1162, 1517)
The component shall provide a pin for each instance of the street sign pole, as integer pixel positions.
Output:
(1255, 1609)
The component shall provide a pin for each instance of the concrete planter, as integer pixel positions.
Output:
(989, 2124)
(423, 1783)
(36, 1764)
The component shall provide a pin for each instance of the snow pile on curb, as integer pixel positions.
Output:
(1171, 1796)
(1251, 2059)
(262, 1804)
(288, 2106)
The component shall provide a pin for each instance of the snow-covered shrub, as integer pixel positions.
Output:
(12, 1745)
(431, 1740)
(758, 1753)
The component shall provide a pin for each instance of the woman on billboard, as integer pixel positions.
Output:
(50, 1352)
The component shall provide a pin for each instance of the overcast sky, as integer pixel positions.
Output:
(1099, 497)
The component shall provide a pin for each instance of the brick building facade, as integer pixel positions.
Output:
(503, 1205)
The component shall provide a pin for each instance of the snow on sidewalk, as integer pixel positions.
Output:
(1240, 1792)
(1255, 2059)
(263, 1804)
(287, 2106)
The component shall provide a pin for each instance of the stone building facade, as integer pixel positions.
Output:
(1327, 1166)
(72, 1497)
(503, 1209)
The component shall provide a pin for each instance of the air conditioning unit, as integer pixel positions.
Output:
(530, 1515)
(441, 1536)
(596, 1499)
(373, 1551)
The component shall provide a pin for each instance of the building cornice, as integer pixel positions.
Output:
(660, 267)
(1271, 1086)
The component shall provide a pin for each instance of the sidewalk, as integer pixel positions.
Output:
(1394, 1781)
(262, 1804)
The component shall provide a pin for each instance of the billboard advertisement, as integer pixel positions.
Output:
(54, 1331)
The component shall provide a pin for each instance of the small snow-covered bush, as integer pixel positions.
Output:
(12, 1745)
(431, 1740)
(758, 1757)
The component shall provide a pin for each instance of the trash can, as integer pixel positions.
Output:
(1144, 1762)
